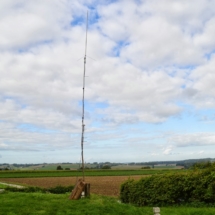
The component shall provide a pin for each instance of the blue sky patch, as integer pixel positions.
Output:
(208, 55)
(119, 46)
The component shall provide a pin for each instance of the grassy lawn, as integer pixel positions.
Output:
(62, 173)
(2, 186)
(38, 203)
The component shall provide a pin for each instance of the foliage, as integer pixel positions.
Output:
(57, 190)
(106, 167)
(60, 189)
(194, 187)
(146, 167)
(85, 167)
(59, 168)
(202, 165)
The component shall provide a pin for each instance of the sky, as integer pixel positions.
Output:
(150, 80)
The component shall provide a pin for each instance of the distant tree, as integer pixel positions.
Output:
(86, 167)
(146, 167)
(59, 168)
(202, 165)
(106, 167)
(67, 168)
(107, 162)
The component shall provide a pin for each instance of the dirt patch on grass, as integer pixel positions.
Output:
(103, 185)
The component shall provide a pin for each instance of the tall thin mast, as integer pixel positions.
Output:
(83, 125)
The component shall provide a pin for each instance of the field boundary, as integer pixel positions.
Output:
(12, 185)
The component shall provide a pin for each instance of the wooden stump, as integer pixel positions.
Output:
(81, 189)
(87, 190)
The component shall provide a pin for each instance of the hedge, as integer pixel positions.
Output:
(193, 187)
(57, 190)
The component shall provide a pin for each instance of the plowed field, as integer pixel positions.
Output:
(103, 185)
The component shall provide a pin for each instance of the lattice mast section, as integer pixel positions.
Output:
(83, 125)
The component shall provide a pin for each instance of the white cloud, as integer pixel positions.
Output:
(154, 154)
(27, 23)
(190, 16)
(193, 139)
(205, 38)
(149, 59)
(25, 138)
(201, 152)
(168, 150)
(169, 29)
(200, 91)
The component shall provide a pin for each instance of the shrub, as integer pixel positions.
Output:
(57, 190)
(202, 165)
(60, 189)
(59, 168)
(171, 189)
(106, 167)
(85, 167)
(146, 167)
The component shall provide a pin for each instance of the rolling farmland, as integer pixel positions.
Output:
(103, 182)
(102, 185)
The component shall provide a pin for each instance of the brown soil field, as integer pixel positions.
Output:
(102, 185)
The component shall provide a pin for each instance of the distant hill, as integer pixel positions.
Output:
(98, 165)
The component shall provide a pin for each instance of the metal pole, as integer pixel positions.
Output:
(83, 125)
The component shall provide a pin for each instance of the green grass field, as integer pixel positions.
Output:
(137, 167)
(54, 167)
(127, 167)
(62, 173)
(75, 166)
(46, 167)
(2, 186)
(59, 204)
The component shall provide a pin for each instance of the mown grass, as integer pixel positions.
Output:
(2, 186)
(59, 204)
(62, 173)
(38, 203)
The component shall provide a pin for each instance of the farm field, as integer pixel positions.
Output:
(104, 197)
(127, 167)
(102, 185)
(138, 167)
(54, 167)
(103, 182)
(33, 174)
(76, 166)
